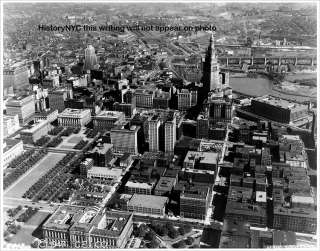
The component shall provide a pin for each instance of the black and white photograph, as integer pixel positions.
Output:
(159, 125)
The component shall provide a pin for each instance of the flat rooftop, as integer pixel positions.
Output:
(245, 209)
(102, 148)
(148, 201)
(105, 171)
(71, 111)
(109, 115)
(65, 216)
(165, 183)
(203, 157)
(110, 224)
(298, 212)
(36, 126)
(136, 184)
(285, 104)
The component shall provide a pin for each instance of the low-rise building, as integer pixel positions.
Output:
(81, 227)
(165, 186)
(295, 219)
(135, 187)
(12, 148)
(201, 160)
(10, 124)
(147, 204)
(50, 116)
(255, 215)
(104, 173)
(35, 132)
(74, 117)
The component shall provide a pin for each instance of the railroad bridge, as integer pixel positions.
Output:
(234, 61)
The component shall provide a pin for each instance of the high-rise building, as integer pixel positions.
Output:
(15, 78)
(125, 138)
(211, 78)
(144, 98)
(90, 58)
(106, 120)
(57, 98)
(154, 125)
(85, 166)
(170, 133)
(101, 154)
(202, 126)
(24, 106)
(184, 99)
(220, 110)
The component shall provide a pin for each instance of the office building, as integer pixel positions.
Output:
(35, 132)
(202, 126)
(57, 99)
(144, 98)
(129, 110)
(85, 166)
(279, 110)
(125, 138)
(74, 117)
(184, 99)
(170, 132)
(303, 220)
(147, 204)
(50, 116)
(153, 132)
(165, 186)
(11, 148)
(161, 100)
(10, 124)
(90, 60)
(104, 173)
(220, 111)
(194, 201)
(106, 120)
(136, 187)
(15, 78)
(201, 160)
(211, 78)
(24, 106)
(255, 215)
(101, 154)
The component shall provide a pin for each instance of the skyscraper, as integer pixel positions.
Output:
(154, 124)
(211, 79)
(90, 58)
(170, 133)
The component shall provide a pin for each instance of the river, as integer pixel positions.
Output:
(260, 86)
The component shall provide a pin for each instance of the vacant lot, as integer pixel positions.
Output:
(48, 162)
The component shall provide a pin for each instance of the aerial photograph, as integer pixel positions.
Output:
(150, 125)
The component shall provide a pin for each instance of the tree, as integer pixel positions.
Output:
(173, 233)
(150, 235)
(162, 231)
(153, 244)
(142, 230)
(187, 228)
(181, 231)
(189, 240)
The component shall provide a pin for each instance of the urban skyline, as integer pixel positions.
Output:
(197, 131)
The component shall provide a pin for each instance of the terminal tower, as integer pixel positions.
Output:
(211, 78)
